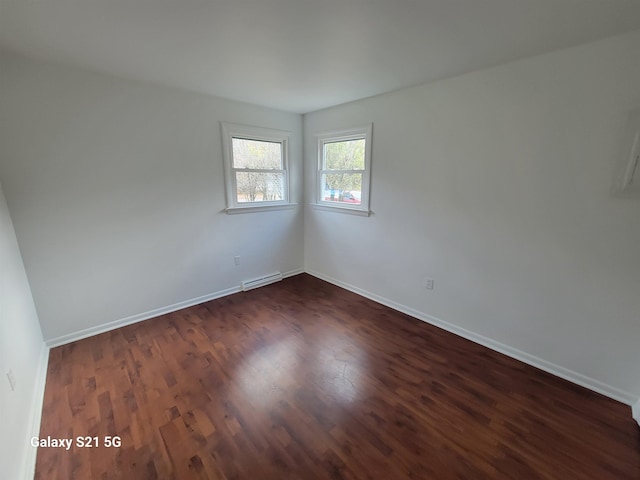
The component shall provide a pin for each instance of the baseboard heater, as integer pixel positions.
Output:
(262, 281)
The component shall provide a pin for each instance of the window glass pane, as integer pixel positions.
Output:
(342, 187)
(259, 187)
(256, 154)
(345, 155)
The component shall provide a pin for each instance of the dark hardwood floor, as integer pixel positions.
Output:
(304, 380)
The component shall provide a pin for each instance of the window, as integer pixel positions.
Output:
(255, 168)
(344, 169)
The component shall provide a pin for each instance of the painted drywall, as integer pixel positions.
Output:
(23, 352)
(497, 185)
(116, 192)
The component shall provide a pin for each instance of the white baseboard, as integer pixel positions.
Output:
(532, 360)
(549, 367)
(106, 327)
(292, 273)
(36, 413)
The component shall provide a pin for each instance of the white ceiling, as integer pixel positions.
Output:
(301, 55)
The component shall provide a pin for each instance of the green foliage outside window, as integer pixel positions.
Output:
(343, 156)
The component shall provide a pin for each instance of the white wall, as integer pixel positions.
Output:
(23, 352)
(116, 192)
(496, 184)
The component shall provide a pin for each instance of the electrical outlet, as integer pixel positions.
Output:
(12, 379)
(428, 283)
(236, 260)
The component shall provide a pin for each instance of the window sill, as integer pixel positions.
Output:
(337, 209)
(260, 208)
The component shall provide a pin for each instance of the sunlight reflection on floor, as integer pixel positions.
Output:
(336, 368)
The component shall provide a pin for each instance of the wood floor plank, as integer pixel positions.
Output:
(304, 380)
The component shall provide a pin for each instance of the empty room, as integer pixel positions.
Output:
(283, 239)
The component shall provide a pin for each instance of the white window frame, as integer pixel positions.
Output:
(233, 130)
(355, 133)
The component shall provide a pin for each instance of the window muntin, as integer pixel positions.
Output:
(344, 160)
(255, 166)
